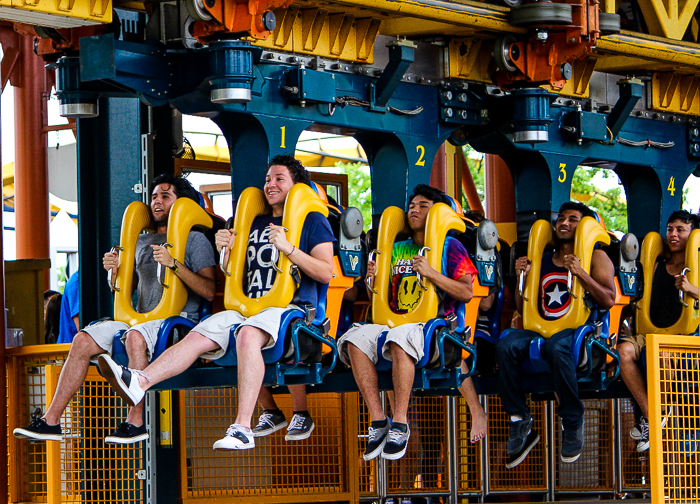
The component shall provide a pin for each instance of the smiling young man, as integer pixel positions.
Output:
(554, 301)
(210, 339)
(404, 344)
(665, 310)
(197, 273)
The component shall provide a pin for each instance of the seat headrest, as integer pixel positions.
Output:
(318, 189)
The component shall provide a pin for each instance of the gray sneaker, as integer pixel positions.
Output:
(269, 423)
(572, 444)
(522, 440)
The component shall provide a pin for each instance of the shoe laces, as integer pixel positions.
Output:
(644, 428)
(141, 373)
(233, 428)
(265, 418)
(297, 422)
(395, 435)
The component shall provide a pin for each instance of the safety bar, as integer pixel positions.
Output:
(115, 250)
(369, 280)
(159, 271)
(419, 279)
(681, 294)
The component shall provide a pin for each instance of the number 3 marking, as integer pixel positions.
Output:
(562, 172)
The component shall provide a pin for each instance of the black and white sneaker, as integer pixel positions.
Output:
(643, 444)
(377, 438)
(238, 437)
(523, 439)
(127, 433)
(269, 423)
(124, 381)
(397, 441)
(300, 428)
(39, 430)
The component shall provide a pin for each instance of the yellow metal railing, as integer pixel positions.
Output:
(673, 381)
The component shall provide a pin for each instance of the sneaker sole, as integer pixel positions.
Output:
(395, 456)
(636, 436)
(300, 437)
(525, 453)
(25, 434)
(267, 432)
(569, 460)
(111, 377)
(123, 441)
(645, 447)
(373, 455)
(231, 448)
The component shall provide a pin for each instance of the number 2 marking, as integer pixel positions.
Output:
(420, 149)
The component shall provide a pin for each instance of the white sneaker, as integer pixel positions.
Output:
(238, 437)
(124, 381)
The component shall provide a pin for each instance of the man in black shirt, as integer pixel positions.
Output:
(665, 310)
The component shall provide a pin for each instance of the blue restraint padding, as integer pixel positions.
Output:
(270, 355)
(494, 317)
(119, 350)
(430, 331)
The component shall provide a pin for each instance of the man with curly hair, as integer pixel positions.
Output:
(210, 339)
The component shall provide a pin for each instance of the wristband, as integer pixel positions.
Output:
(294, 249)
(174, 266)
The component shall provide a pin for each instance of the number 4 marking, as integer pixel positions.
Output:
(672, 186)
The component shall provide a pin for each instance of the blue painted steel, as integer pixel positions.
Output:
(232, 63)
(401, 56)
(630, 93)
(350, 262)
(531, 109)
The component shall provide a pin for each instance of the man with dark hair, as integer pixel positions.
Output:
(197, 273)
(210, 339)
(553, 301)
(404, 343)
(665, 310)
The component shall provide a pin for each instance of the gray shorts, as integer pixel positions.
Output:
(103, 334)
(218, 326)
(365, 337)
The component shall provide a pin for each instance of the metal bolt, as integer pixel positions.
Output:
(542, 36)
(696, 147)
(463, 114)
(695, 131)
(447, 95)
(463, 97)
(572, 40)
(449, 112)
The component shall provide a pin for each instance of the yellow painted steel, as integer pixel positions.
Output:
(166, 418)
(301, 201)
(672, 386)
(648, 47)
(441, 219)
(184, 214)
(53, 448)
(320, 32)
(588, 233)
(652, 247)
(57, 13)
(668, 18)
(674, 92)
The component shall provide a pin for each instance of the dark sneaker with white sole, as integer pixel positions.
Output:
(377, 438)
(124, 381)
(300, 428)
(522, 440)
(643, 444)
(238, 437)
(572, 444)
(268, 423)
(397, 441)
(39, 430)
(127, 433)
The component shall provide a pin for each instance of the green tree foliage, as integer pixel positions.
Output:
(359, 188)
(475, 160)
(610, 203)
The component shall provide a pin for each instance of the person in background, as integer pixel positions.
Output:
(70, 310)
(52, 314)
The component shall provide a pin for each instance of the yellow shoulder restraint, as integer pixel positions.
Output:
(588, 233)
(441, 219)
(652, 246)
(184, 214)
(300, 202)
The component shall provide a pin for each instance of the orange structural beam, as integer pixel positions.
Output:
(31, 170)
(249, 17)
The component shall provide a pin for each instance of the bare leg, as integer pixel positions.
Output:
(176, 359)
(479, 417)
(266, 399)
(137, 350)
(298, 393)
(402, 374)
(251, 371)
(366, 377)
(72, 375)
(632, 376)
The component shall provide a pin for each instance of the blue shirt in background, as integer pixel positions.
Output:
(70, 307)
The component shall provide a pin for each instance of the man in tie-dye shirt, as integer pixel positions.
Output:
(404, 344)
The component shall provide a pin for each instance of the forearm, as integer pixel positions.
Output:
(461, 291)
(602, 296)
(318, 269)
(692, 292)
(203, 286)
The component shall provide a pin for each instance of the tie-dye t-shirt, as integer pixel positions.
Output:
(405, 292)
